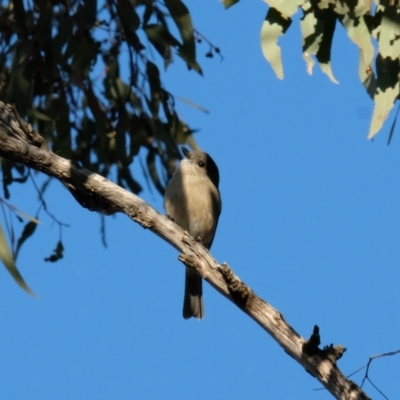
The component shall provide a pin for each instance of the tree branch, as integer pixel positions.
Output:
(21, 144)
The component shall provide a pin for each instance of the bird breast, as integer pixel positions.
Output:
(193, 202)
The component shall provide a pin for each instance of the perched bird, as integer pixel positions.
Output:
(193, 201)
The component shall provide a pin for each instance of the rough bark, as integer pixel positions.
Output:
(19, 143)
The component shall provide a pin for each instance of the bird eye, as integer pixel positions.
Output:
(201, 164)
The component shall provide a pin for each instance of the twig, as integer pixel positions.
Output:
(368, 364)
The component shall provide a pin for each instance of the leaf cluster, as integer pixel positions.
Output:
(86, 76)
(373, 27)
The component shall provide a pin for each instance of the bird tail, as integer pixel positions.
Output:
(193, 300)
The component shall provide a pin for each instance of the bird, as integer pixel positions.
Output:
(192, 199)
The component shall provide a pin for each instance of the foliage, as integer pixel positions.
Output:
(84, 75)
(366, 24)
(9, 260)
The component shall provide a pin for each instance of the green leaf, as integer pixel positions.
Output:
(116, 90)
(130, 23)
(383, 104)
(126, 11)
(62, 141)
(153, 75)
(9, 263)
(389, 43)
(167, 134)
(84, 56)
(28, 231)
(19, 88)
(160, 34)
(274, 26)
(148, 12)
(151, 166)
(229, 3)
(317, 28)
(39, 115)
(358, 32)
(20, 15)
(98, 113)
(180, 133)
(351, 8)
(162, 40)
(181, 16)
(138, 135)
(6, 170)
(64, 33)
(192, 64)
(323, 54)
(285, 7)
(388, 72)
(88, 10)
(387, 69)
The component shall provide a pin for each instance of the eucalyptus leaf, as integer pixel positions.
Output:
(9, 262)
(358, 32)
(286, 8)
(181, 16)
(274, 26)
(384, 101)
(28, 231)
(151, 166)
(388, 86)
(229, 3)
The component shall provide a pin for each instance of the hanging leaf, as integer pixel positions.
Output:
(323, 53)
(181, 16)
(192, 64)
(151, 166)
(162, 40)
(359, 33)
(317, 28)
(97, 111)
(389, 43)
(130, 23)
(153, 75)
(387, 69)
(9, 263)
(62, 141)
(386, 93)
(88, 11)
(274, 26)
(27, 232)
(64, 33)
(6, 170)
(229, 3)
(286, 8)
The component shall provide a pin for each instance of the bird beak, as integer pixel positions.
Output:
(185, 152)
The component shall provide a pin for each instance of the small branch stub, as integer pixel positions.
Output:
(333, 353)
(310, 347)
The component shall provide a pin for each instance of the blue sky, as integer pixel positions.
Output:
(310, 221)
